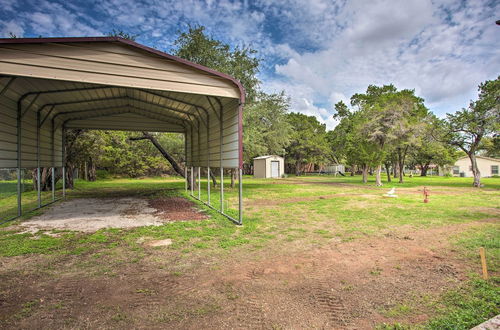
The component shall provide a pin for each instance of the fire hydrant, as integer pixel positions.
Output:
(426, 195)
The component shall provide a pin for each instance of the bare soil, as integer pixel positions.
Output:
(176, 209)
(92, 214)
(340, 285)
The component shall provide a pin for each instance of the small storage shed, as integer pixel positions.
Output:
(270, 166)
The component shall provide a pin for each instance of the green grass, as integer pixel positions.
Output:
(279, 214)
(467, 306)
(487, 236)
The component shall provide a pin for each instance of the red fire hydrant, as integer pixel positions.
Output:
(426, 195)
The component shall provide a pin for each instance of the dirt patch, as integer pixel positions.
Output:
(342, 285)
(176, 209)
(92, 214)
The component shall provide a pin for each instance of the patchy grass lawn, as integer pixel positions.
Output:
(328, 249)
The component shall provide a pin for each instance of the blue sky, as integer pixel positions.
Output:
(318, 51)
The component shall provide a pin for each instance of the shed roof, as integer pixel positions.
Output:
(268, 156)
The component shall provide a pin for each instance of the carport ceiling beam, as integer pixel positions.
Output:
(120, 111)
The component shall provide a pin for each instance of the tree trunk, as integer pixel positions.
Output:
(401, 162)
(70, 182)
(424, 169)
(365, 173)
(475, 170)
(388, 170)
(401, 172)
(233, 177)
(297, 168)
(378, 179)
(92, 171)
(370, 170)
(353, 170)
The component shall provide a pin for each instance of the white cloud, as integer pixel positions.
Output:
(413, 44)
(8, 27)
(318, 51)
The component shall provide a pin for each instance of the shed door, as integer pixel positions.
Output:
(275, 169)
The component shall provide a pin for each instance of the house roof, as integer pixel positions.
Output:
(482, 157)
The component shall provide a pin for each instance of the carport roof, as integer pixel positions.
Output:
(114, 83)
(75, 40)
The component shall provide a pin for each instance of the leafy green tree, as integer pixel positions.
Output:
(308, 142)
(267, 130)
(427, 150)
(466, 128)
(490, 146)
(385, 124)
(240, 62)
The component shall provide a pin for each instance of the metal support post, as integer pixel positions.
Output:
(222, 189)
(53, 156)
(19, 174)
(208, 185)
(240, 196)
(221, 140)
(39, 186)
(38, 170)
(64, 161)
(199, 182)
(64, 182)
(186, 177)
(53, 184)
(192, 180)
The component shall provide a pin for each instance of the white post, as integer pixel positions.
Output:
(192, 180)
(240, 196)
(208, 184)
(199, 183)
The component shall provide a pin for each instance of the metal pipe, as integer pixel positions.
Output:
(199, 182)
(39, 186)
(221, 139)
(213, 208)
(240, 196)
(192, 182)
(64, 182)
(63, 160)
(208, 185)
(38, 174)
(19, 192)
(222, 189)
(185, 161)
(53, 184)
(185, 177)
(53, 151)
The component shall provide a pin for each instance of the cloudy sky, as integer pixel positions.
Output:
(318, 51)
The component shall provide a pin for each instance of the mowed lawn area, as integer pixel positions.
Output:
(314, 252)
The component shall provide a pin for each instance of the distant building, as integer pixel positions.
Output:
(334, 169)
(270, 166)
(487, 166)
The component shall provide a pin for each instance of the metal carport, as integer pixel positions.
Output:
(48, 85)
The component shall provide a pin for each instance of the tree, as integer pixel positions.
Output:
(308, 143)
(466, 128)
(384, 126)
(240, 62)
(267, 130)
(428, 150)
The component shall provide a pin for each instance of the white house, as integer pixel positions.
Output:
(270, 166)
(487, 166)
